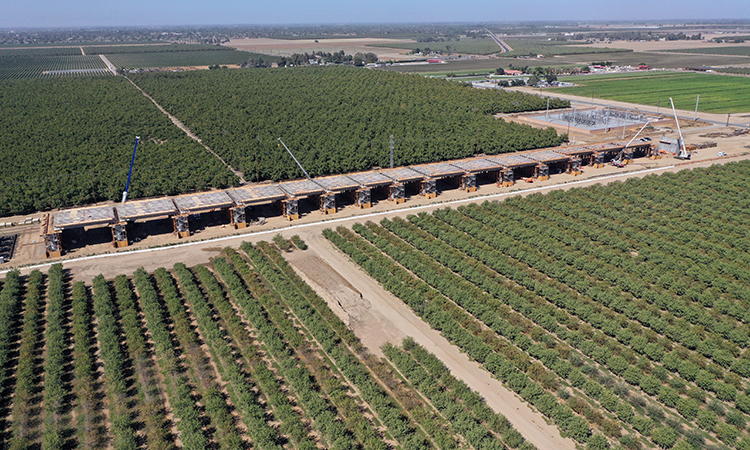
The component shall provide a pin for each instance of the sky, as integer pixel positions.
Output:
(85, 13)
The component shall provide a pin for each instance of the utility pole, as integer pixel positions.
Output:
(728, 114)
(658, 108)
(391, 151)
(547, 115)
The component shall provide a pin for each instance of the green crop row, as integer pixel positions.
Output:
(718, 93)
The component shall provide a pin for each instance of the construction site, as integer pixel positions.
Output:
(130, 221)
(595, 121)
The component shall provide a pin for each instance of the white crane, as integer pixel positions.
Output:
(683, 153)
(617, 160)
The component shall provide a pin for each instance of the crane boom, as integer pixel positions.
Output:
(130, 172)
(617, 160)
(295, 159)
(683, 150)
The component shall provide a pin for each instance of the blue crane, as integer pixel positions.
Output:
(130, 172)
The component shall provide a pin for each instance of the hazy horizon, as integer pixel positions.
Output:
(86, 13)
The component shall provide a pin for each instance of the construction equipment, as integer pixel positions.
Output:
(295, 159)
(620, 160)
(130, 172)
(683, 151)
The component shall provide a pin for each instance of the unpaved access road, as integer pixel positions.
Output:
(377, 317)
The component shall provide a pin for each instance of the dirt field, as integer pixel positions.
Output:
(285, 47)
(650, 46)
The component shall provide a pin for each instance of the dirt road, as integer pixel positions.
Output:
(378, 317)
(187, 131)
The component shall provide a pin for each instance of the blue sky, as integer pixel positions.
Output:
(79, 13)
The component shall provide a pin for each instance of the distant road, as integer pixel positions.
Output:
(502, 44)
(110, 66)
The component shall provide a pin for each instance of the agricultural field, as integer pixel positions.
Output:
(18, 68)
(734, 70)
(69, 142)
(160, 48)
(149, 60)
(237, 354)
(339, 119)
(619, 311)
(718, 93)
(522, 47)
(35, 51)
(23, 63)
(478, 46)
(734, 51)
(487, 46)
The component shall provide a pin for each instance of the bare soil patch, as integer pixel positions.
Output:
(651, 46)
(284, 47)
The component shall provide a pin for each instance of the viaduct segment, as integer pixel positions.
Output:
(243, 205)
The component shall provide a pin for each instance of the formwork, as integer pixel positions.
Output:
(367, 181)
(402, 174)
(197, 204)
(477, 165)
(544, 159)
(397, 193)
(203, 202)
(84, 217)
(52, 242)
(181, 224)
(337, 183)
(139, 210)
(256, 195)
(428, 188)
(546, 156)
(587, 154)
(301, 188)
(581, 152)
(469, 182)
(120, 234)
(290, 208)
(328, 203)
(512, 160)
(250, 196)
(145, 209)
(438, 170)
(371, 179)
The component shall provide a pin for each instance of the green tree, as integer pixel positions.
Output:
(664, 437)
